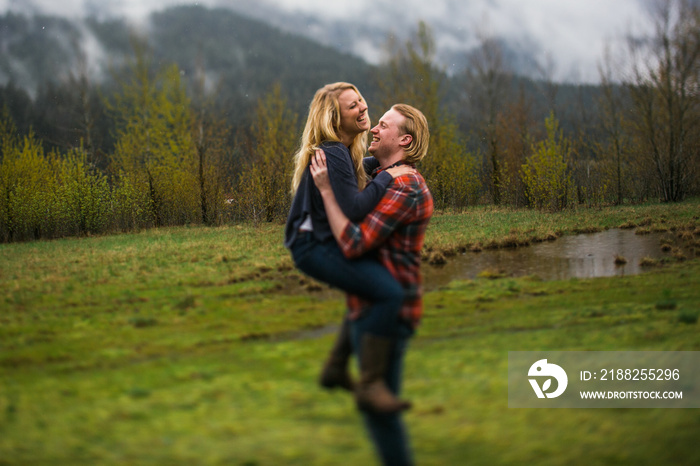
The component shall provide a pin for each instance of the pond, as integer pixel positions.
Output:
(580, 256)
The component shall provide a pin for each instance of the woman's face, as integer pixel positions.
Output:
(354, 118)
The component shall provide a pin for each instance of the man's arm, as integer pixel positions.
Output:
(355, 239)
(397, 207)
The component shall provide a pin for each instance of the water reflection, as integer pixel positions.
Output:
(581, 256)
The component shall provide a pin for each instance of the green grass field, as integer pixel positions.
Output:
(202, 346)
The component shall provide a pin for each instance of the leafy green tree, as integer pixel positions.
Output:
(27, 184)
(130, 203)
(8, 136)
(545, 173)
(154, 152)
(263, 186)
(45, 196)
(83, 197)
(451, 173)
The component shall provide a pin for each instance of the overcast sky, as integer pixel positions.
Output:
(570, 33)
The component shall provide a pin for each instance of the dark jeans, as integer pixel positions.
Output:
(364, 277)
(387, 431)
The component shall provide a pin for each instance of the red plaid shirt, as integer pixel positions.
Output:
(396, 227)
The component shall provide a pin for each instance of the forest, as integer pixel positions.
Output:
(196, 118)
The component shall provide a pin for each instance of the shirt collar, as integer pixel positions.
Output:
(379, 169)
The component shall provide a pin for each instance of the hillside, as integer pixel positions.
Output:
(242, 57)
(43, 59)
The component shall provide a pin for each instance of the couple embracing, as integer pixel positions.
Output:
(358, 223)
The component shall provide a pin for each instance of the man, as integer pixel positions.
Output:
(396, 230)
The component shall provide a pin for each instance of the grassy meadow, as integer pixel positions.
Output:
(202, 346)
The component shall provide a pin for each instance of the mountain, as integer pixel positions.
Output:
(245, 56)
(43, 57)
(36, 49)
(242, 57)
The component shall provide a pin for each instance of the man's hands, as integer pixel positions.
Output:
(319, 171)
(400, 170)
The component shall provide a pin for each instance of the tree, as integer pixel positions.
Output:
(410, 76)
(545, 173)
(665, 93)
(265, 179)
(154, 154)
(210, 136)
(27, 187)
(45, 196)
(612, 122)
(83, 197)
(487, 84)
(513, 130)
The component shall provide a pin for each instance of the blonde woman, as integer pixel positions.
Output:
(338, 123)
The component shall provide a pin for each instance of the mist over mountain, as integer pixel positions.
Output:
(54, 68)
(241, 57)
(366, 34)
(50, 58)
(563, 40)
(65, 78)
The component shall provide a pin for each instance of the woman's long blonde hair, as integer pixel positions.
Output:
(323, 124)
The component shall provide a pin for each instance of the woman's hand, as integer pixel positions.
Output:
(400, 170)
(319, 171)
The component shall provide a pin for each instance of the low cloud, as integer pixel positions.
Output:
(572, 34)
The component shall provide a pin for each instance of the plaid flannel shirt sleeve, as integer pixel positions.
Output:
(395, 208)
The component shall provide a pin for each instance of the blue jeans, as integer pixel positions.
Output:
(364, 277)
(388, 431)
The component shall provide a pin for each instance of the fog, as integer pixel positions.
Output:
(563, 39)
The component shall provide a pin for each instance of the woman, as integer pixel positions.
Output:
(338, 123)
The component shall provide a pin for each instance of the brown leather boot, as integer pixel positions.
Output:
(371, 393)
(335, 373)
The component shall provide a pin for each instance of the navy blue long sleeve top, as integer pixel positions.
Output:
(354, 203)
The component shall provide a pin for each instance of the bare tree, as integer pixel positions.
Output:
(664, 89)
(515, 127)
(487, 84)
(611, 119)
(210, 135)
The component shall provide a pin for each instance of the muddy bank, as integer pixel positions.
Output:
(614, 252)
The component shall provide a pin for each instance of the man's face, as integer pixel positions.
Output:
(353, 112)
(386, 136)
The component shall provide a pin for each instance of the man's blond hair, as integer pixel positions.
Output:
(416, 125)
